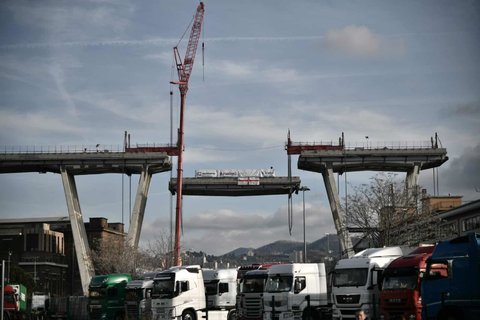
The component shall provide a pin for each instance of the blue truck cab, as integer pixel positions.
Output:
(451, 283)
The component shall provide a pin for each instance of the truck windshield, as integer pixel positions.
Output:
(97, 293)
(252, 284)
(211, 287)
(164, 287)
(401, 278)
(350, 277)
(279, 283)
(9, 298)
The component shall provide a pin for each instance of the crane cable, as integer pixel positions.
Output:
(290, 200)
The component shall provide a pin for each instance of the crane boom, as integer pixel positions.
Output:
(184, 68)
(184, 71)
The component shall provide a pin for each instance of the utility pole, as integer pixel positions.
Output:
(303, 189)
(3, 288)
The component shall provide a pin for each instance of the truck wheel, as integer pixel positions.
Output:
(232, 315)
(188, 315)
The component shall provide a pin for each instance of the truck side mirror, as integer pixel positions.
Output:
(450, 268)
(178, 288)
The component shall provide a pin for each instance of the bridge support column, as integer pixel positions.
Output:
(338, 215)
(412, 177)
(135, 227)
(84, 257)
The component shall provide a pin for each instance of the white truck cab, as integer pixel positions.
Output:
(221, 289)
(356, 282)
(178, 293)
(296, 291)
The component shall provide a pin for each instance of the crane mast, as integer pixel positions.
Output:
(184, 70)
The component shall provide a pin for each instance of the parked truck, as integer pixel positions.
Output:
(251, 280)
(106, 296)
(15, 300)
(178, 293)
(400, 297)
(451, 285)
(138, 299)
(356, 282)
(221, 290)
(250, 295)
(296, 291)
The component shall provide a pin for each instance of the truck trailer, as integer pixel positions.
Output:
(451, 285)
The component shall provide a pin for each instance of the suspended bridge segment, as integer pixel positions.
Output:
(237, 186)
(69, 162)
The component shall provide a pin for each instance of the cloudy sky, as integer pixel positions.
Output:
(80, 73)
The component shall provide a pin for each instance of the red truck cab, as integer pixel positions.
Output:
(400, 297)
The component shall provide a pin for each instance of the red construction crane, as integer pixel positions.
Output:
(184, 71)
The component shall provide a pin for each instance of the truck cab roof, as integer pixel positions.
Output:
(216, 274)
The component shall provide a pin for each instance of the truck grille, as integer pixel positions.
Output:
(132, 310)
(253, 307)
(348, 298)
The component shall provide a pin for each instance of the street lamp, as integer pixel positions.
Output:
(9, 256)
(303, 189)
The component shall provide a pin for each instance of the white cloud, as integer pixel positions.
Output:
(218, 231)
(361, 41)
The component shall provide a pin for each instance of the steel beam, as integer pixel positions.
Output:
(84, 257)
(338, 214)
(135, 227)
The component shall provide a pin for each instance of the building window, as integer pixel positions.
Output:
(32, 242)
(472, 223)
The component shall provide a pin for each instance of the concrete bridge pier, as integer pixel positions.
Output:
(84, 257)
(338, 214)
(138, 212)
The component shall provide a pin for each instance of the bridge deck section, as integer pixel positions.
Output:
(384, 159)
(232, 187)
(85, 163)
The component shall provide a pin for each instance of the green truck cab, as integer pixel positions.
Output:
(106, 296)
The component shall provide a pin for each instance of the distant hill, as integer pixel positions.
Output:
(239, 252)
(281, 247)
(286, 247)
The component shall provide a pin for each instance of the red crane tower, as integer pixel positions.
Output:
(184, 70)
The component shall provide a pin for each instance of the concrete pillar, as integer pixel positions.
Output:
(412, 177)
(338, 215)
(135, 227)
(84, 257)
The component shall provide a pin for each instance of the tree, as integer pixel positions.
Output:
(387, 214)
(157, 254)
(121, 257)
(113, 257)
